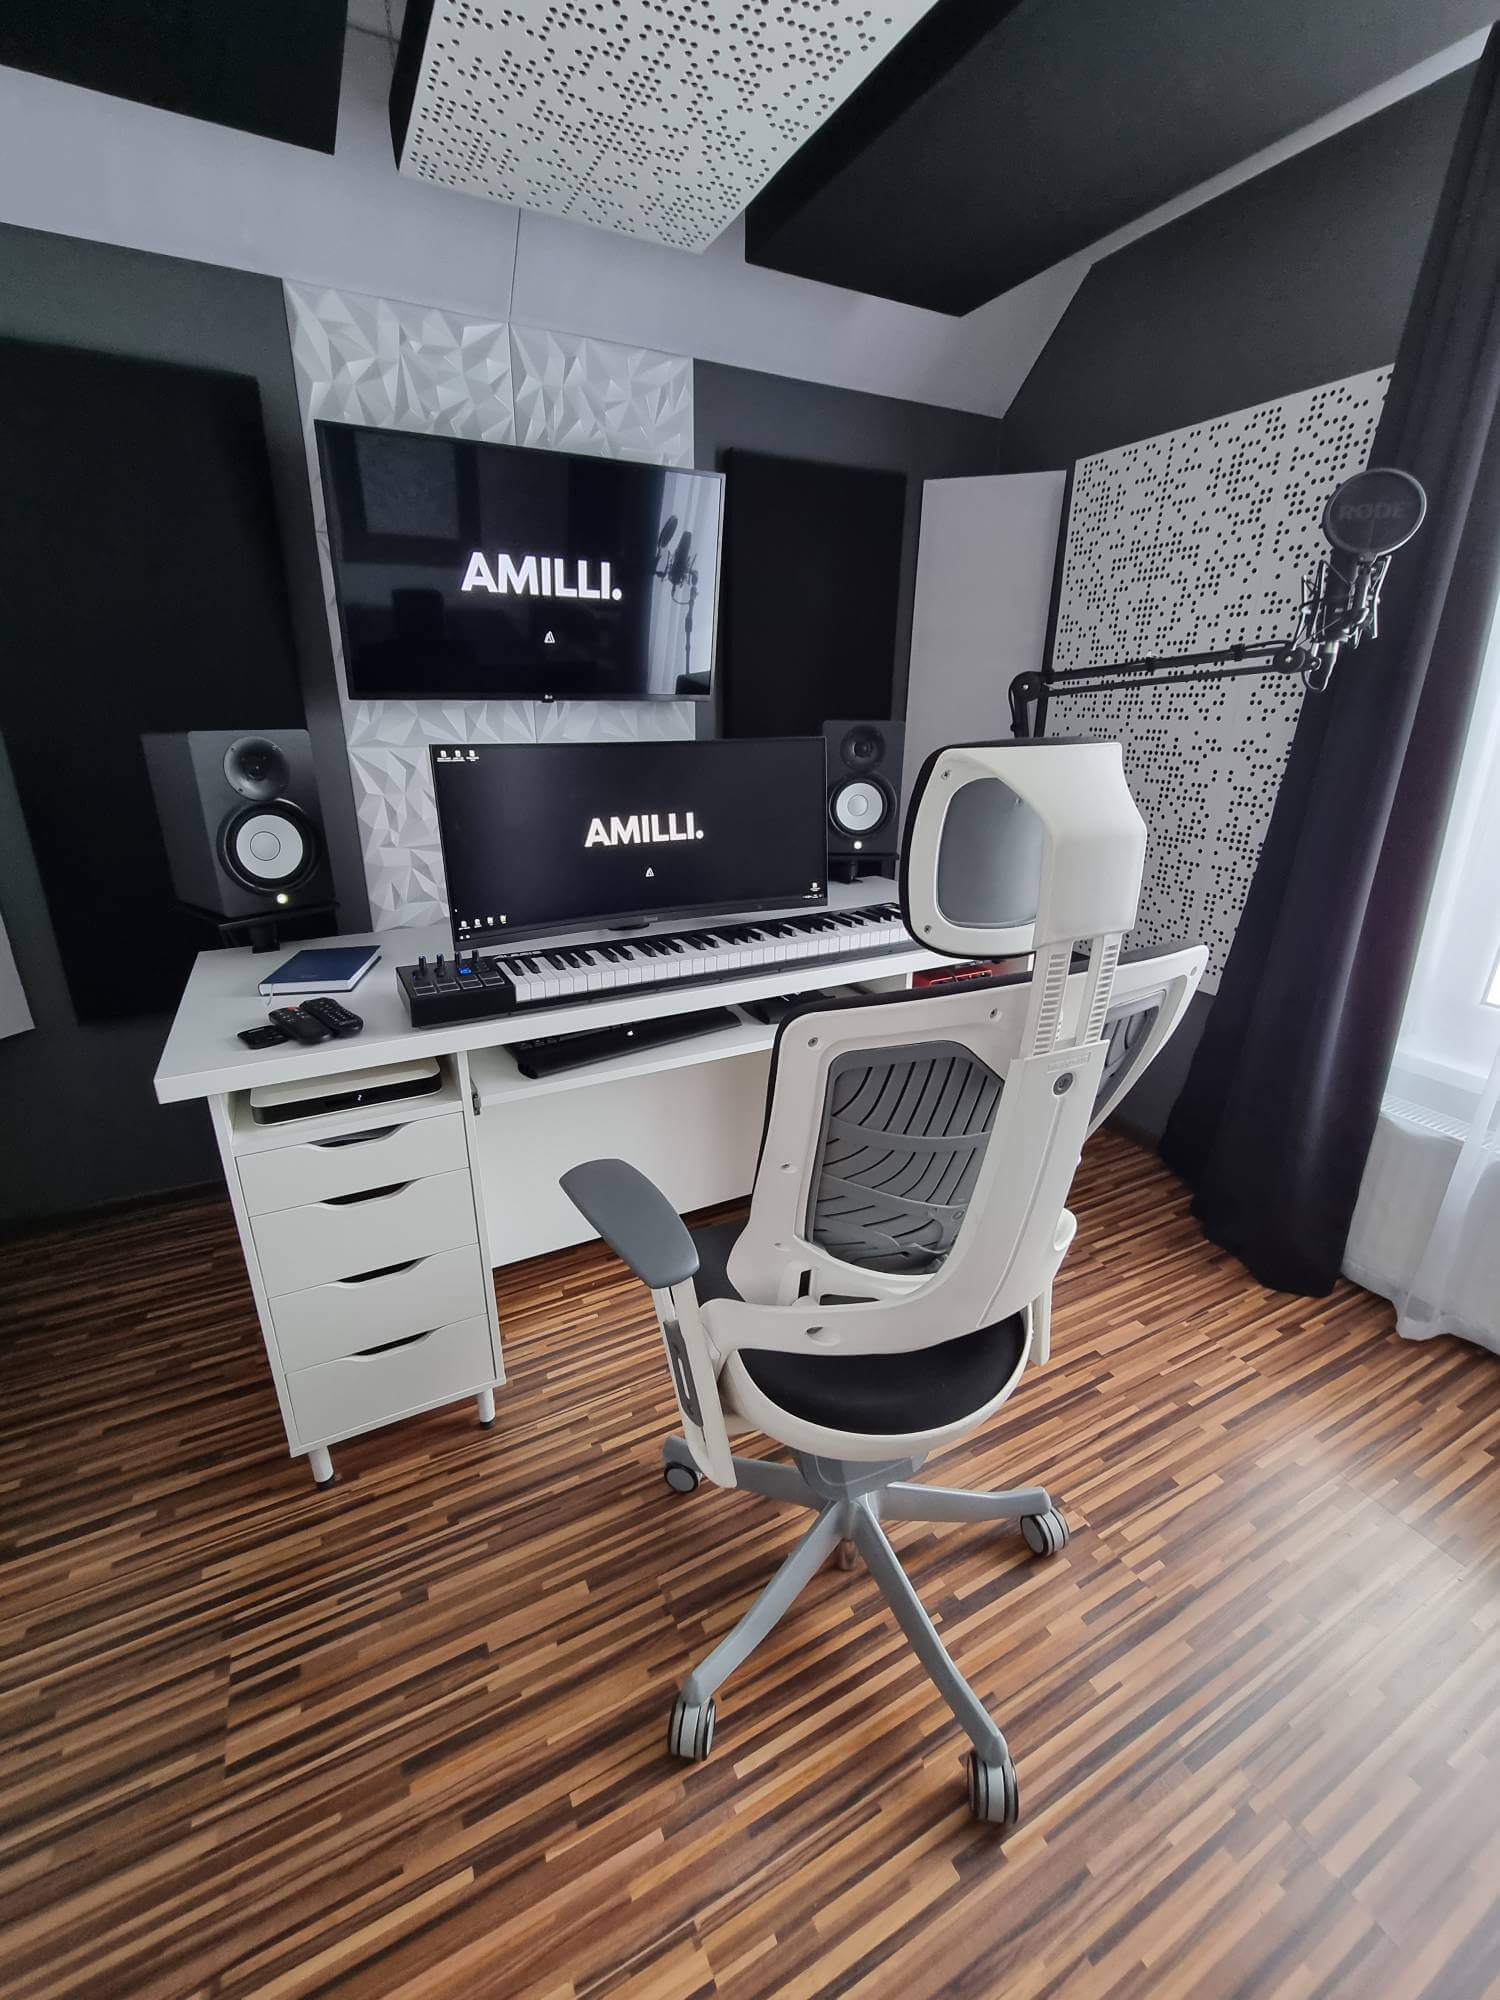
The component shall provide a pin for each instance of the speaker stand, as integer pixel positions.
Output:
(855, 867)
(267, 931)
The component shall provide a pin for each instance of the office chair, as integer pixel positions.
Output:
(894, 1276)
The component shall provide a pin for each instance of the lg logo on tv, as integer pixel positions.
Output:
(538, 576)
(642, 830)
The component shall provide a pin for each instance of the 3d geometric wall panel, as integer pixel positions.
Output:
(1183, 543)
(651, 118)
(373, 361)
(590, 395)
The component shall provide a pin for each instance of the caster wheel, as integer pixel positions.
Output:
(690, 1733)
(994, 1796)
(1046, 1534)
(681, 1478)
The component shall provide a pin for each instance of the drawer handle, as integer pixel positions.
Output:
(367, 1194)
(407, 1340)
(385, 1271)
(357, 1138)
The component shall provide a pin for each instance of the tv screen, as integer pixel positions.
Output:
(484, 572)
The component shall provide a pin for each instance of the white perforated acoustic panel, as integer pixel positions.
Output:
(1183, 543)
(372, 361)
(657, 118)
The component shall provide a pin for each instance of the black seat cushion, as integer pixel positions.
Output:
(880, 1395)
(889, 1394)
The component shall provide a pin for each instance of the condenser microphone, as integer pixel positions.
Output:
(1374, 513)
(1366, 520)
(682, 561)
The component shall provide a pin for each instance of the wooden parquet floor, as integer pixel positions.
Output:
(407, 1737)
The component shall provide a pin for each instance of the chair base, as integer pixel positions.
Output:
(849, 1501)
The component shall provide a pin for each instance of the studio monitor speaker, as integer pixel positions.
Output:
(864, 795)
(239, 815)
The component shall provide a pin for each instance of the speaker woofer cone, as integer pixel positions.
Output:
(859, 808)
(270, 848)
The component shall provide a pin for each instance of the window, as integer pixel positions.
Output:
(1452, 1025)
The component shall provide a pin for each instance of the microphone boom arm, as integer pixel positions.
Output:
(1339, 607)
(1261, 656)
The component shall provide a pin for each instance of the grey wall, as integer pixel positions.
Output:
(1300, 276)
(741, 408)
(79, 1123)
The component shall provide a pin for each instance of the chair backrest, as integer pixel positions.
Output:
(903, 1134)
(904, 1126)
(915, 1157)
(919, 1146)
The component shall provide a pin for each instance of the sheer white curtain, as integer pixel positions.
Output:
(1426, 1232)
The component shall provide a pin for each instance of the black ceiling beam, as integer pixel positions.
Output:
(998, 139)
(271, 67)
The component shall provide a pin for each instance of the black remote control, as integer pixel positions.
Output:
(335, 1018)
(266, 1037)
(301, 1027)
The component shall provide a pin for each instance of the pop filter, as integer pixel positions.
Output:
(1375, 512)
(669, 529)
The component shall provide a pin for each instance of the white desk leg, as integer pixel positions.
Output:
(320, 1465)
(486, 1407)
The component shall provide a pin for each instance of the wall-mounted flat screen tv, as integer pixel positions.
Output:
(484, 572)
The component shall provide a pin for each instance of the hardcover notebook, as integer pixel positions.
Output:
(335, 970)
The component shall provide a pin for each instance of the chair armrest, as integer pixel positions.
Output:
(635, 1219)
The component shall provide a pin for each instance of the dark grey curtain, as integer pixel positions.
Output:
(1274, 1123)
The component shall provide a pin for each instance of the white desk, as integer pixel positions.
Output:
(323, 1202)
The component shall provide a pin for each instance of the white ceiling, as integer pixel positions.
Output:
(659, 118)
(377, 17)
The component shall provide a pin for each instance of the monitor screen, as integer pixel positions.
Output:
(489, 572)
(558, 836)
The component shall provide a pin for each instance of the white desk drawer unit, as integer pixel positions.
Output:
(347, 1235)
(366, 1239)
(329, 1322)
(340, 1398)
(293, 1175)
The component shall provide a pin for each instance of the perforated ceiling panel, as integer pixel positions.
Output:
(1189, 541)
(658, 118)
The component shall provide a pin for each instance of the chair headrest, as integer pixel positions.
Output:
(1013, 846)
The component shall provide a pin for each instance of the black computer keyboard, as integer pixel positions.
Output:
(548, 1055)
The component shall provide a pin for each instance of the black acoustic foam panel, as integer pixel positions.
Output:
(142, 586)
(272, 68)
(1300, 276)
(812, 567)
(1000, 138)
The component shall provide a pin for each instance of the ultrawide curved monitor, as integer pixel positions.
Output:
(562, 836)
